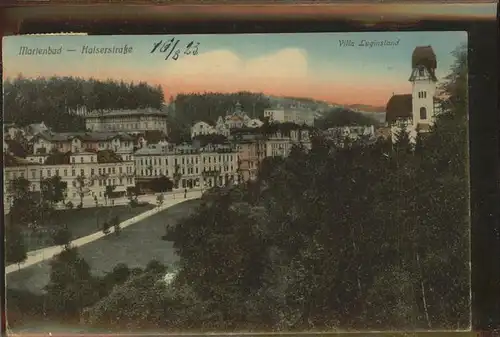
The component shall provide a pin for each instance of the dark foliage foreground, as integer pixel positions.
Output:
(361, 237)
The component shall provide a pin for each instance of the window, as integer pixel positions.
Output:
(81, 159)
(423, 113)
(82, 172)
(120, 170)
(421, 71)
(57, 172)
(114, 171)
(73, 172)
(49, 173)
(73, 160)
(92, 171)
(92, 158)
(33, 174)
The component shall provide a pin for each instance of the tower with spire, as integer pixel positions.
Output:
(423, 79)
(416, 112)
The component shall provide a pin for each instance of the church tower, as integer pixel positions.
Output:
(423, 78)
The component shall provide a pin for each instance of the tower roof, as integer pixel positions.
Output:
(424, 56)
(399, 106)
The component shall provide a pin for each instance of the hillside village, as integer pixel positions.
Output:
(122, 149)
(237, 211)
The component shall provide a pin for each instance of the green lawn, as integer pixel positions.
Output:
(82, 222)
(136, 246)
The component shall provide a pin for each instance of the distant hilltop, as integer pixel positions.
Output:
(365, 108)
(324, 105)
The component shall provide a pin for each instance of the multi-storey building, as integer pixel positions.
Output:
(236, 120)
(131, 121)
(351, 132)
(86, 173)
(46, 142)
(188, 165)
(251, 153)
(416, 112)
(280, 143)
(295, 115)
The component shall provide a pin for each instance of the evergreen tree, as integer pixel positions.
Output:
(15, 249)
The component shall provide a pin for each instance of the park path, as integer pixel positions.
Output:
(37, 256)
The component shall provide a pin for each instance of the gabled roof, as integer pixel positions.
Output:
(125, 112)
(84, 136)
(399, 106)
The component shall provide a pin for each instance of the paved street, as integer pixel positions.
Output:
(44, 254)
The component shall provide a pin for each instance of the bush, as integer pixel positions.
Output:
(105, 228)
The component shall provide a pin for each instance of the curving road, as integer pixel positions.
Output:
(47, 253)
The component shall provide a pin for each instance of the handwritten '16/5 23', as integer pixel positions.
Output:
(171, 49)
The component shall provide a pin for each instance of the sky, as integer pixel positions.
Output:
(311, 65)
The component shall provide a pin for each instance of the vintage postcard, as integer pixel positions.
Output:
(239, 182)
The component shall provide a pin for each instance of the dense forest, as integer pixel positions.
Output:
(367, 236)
(342, 117)
(208, 107)
(28, 100)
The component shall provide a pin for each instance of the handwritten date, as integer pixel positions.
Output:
(172, 50)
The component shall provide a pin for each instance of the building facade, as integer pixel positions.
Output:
(300, 116)
(236, 120)
(85, 176)
(251, 153)
(416, 112)
(280, 144)
(45, 143)
(188, 166)
(131, 121)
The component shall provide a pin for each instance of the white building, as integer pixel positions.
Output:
(132, 121)
(85, 173)
(46, 142)
(351, 132)
(202, 128)
(236, 120)
(416, 112)
(280, 144)
(194, 167)
(293, 114)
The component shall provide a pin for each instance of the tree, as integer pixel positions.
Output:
(115, 222)
(161, 184)
(29, 100)
(53, 189)
(105, 228)
(81, 186)
(160, 199)
(343, 117)
(15, 249)
(177, 175)
(71, 287)
(61, 236)
(109, 192)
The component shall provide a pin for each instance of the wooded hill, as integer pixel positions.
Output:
(28, 100)
(207, 107)
(342, 117)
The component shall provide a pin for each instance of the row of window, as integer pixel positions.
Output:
(158, 161)
(422, 94)
(183, 171)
